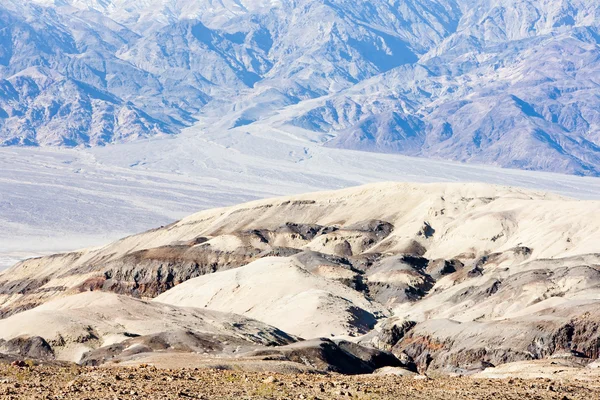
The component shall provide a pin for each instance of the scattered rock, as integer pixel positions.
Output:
(19, 364)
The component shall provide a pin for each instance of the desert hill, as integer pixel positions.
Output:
(452, 278)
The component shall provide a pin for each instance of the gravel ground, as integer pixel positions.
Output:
(146, 382)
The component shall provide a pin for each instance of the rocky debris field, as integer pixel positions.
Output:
(147, 382)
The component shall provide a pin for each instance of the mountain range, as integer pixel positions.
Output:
(513, 83)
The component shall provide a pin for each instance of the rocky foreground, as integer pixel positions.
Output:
(146, 382)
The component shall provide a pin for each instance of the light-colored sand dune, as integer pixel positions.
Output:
(75, 324)
(542, 369)
(280, 292)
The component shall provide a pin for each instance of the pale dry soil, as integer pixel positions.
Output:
(147, 382)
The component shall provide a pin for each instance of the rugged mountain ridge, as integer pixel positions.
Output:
(450, 278)
(505, 82)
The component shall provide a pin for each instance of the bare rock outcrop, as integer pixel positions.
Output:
(31, 347)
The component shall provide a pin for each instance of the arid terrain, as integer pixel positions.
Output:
(427, 283)
(300, 199)
(151, 383)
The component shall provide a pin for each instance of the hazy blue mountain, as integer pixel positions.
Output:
(507, 82)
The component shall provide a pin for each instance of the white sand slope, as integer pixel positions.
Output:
(76, 324)
(280, 292)
(541, 369)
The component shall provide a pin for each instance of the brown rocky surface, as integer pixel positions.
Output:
(147, 382)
